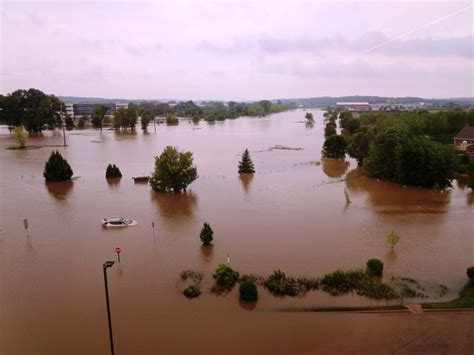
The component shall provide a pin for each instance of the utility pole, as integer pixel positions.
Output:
(106, 265)
(64, 124)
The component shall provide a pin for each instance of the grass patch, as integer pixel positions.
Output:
(465, 300)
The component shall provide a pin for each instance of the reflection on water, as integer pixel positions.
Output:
(391, 257)
(248, 306)
(246, 180)
(309, 124)
(175, 205)
(113, 182)
(59, 190)
(207, 252)
(335, 168)
(125, 134)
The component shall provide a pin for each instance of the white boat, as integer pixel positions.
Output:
(117, 222)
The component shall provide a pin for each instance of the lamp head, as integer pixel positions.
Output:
(108, 264)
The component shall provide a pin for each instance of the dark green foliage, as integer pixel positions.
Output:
(334, 147)
(341, 282)
(98, 114)
(248, 291)
(69, 123)
(344, 118)
(125, 118)
(309, 117)
(31, 108)
(112, 171)
(359, 143)
(352, 125)
(470, 273)
(206, 235)
(246, 164)
(174, 171)
(225, 278)
(375, 267)
(408, 160)
(57, 168)
(279, 284)
(196, 118)
(330, 129)
(81, 123)
(146, 118)
(192, 291)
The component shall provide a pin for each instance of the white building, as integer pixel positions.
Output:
(354, 106)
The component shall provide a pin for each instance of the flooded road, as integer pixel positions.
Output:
(291, 215)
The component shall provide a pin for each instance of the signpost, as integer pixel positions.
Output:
(25, 224)
(118, 250)
(153, 227)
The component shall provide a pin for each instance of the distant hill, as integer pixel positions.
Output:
(320, 101)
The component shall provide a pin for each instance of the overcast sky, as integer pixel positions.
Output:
(238, 50)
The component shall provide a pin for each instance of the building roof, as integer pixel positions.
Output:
(352, 103)
(466, 133)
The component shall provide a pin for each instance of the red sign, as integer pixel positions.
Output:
(118, 250)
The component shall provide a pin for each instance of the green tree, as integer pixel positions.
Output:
(266, 105)
(246, 164)
(112, 171)
(344, 118)
(146, 118)
(57, 168)
(174, 171)
(98, 114)
(225, 276)
(196, 118)
(330, 130)
(392, 239)
(206, 234)
(81, 123)
(352, 125)
(359, 143)
(334, 147)
(19, 135)
(69, 123)
(309, 117)
(172, 119)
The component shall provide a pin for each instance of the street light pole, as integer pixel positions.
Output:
(106, 265)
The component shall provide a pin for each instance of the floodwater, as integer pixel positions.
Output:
(291, 215)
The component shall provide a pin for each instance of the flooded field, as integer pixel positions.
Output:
(291, 215)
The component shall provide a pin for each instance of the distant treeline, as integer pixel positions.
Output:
(213, 111)
(36, 110)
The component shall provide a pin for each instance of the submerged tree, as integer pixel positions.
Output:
(309, 117)
(98, 114)
(174, 171)
(206, 235)
(392, 239)
(246, 164)
(57, 168)
(112, 172)
(334, 147)
(19, 135)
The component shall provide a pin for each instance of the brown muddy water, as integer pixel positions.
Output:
(291, 215)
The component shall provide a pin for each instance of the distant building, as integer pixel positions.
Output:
(354, 106)
(464, 140)
(79, 110)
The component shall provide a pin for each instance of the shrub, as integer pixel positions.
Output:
(57, 168)
(277, 283)
(112, 172)
(69, 123)
(392, 239)
(470, 273)
(248, 291)
(206, 234)
(309, 117)
(225, 276)
(375, 267)
(172, 119)
(196, 118)
(192, 291)
(19, 135)
(81, 123)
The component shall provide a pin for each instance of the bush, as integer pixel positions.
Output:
(225, 276)
(19, 135)
(375, 267)
(248, 291)
(196, 118)
(172, 119)
(277, 283)
(81, 123)
(112, 172)
(192, 291)
(470, 273)
(206, 235)
(57, 168)
(69, 123)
